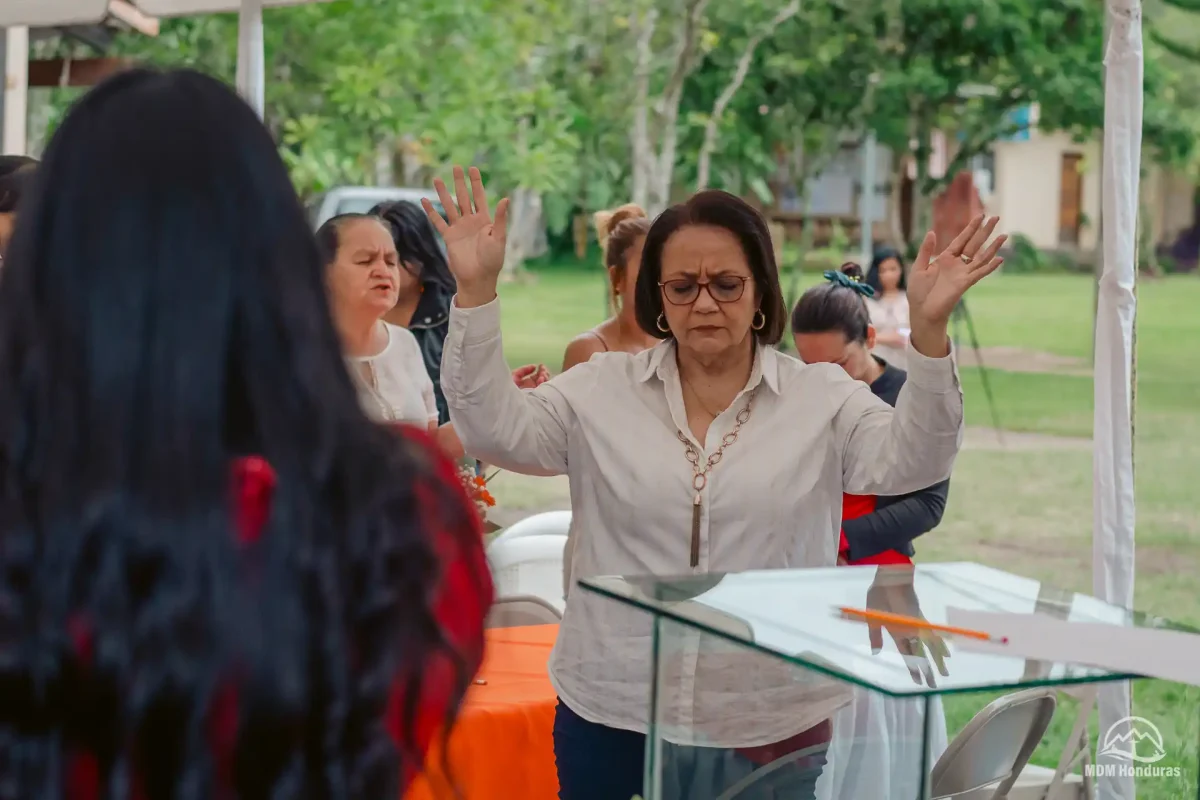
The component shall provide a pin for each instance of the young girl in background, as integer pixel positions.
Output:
(888, 307)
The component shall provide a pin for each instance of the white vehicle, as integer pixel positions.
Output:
(361, 199)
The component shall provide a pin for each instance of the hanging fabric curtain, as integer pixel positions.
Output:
(1113, 499)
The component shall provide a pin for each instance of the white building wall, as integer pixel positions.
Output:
(1029, 187)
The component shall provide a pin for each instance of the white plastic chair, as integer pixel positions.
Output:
(986, 758)
(529, 566)
(519, 612)
(548, 523)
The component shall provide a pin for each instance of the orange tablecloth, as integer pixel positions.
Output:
(502, 745)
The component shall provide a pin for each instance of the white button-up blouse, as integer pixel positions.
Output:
(773, 501)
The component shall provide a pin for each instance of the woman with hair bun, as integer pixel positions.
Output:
(621, 233)
(831, 324)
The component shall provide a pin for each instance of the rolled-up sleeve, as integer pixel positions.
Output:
(897, 452)
(521, 431)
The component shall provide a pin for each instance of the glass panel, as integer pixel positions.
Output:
(794, 614)
(729, 722)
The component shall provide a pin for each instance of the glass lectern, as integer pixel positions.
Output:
(818, 683)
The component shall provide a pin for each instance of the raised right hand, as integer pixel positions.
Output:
(893, 592)
(474, 244)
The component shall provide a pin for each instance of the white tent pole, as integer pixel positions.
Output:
(1112, 467)
(14, 89)
(251, 65)
(866, 200)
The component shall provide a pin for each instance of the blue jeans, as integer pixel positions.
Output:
(596, 762)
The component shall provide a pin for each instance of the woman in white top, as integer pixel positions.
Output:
(889, 307)
(363, 272)
(710, 452)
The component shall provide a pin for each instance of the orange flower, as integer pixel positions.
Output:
(487, 498)
(480, 481)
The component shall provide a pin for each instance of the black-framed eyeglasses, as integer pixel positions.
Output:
(723, 289)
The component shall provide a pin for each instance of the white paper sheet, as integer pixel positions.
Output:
(1154, 653)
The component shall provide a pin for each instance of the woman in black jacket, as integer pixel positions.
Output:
(425, 291)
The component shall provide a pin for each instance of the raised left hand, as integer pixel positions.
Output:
(530, 376)
(938, 281)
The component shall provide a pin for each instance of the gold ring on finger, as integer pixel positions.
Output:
(966, 259)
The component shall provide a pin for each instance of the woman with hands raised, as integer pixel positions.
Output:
(710, 452)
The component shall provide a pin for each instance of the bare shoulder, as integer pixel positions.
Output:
(582, 348)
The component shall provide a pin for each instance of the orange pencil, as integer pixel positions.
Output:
(887, 618)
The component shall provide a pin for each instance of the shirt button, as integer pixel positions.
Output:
(428, 320)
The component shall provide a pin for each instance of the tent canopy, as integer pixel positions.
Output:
(250, 79)
(50, 13)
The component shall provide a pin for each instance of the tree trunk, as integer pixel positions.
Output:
(411, 165)
(921, 202)
(735, 83)
(895, 218)
(654, 150)
(385, 162)
(525, 223)
(643, 158)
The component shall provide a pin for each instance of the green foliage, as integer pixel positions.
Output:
(540, 93)
(1024, 257)
(1172, 112)
(809, 82)
(464, 80)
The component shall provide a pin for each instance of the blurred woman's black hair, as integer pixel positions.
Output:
(830, 306)
(417, 242)
(163, 312)
(16, 173)
(882, 255)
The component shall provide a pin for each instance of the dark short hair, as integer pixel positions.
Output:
(882, 255)
(719, 210)
(329, 234)
(833, 307)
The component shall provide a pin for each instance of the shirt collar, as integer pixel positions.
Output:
(660, 361)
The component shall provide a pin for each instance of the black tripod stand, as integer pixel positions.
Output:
(961, 317)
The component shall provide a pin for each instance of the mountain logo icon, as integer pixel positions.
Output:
(1133, 739)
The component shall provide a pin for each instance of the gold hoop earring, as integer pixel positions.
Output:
(759, 321)
(661, 324)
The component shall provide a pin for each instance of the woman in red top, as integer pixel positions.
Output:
(831, 324)
(164, 336)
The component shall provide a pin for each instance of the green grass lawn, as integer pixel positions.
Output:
(1025, 510)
